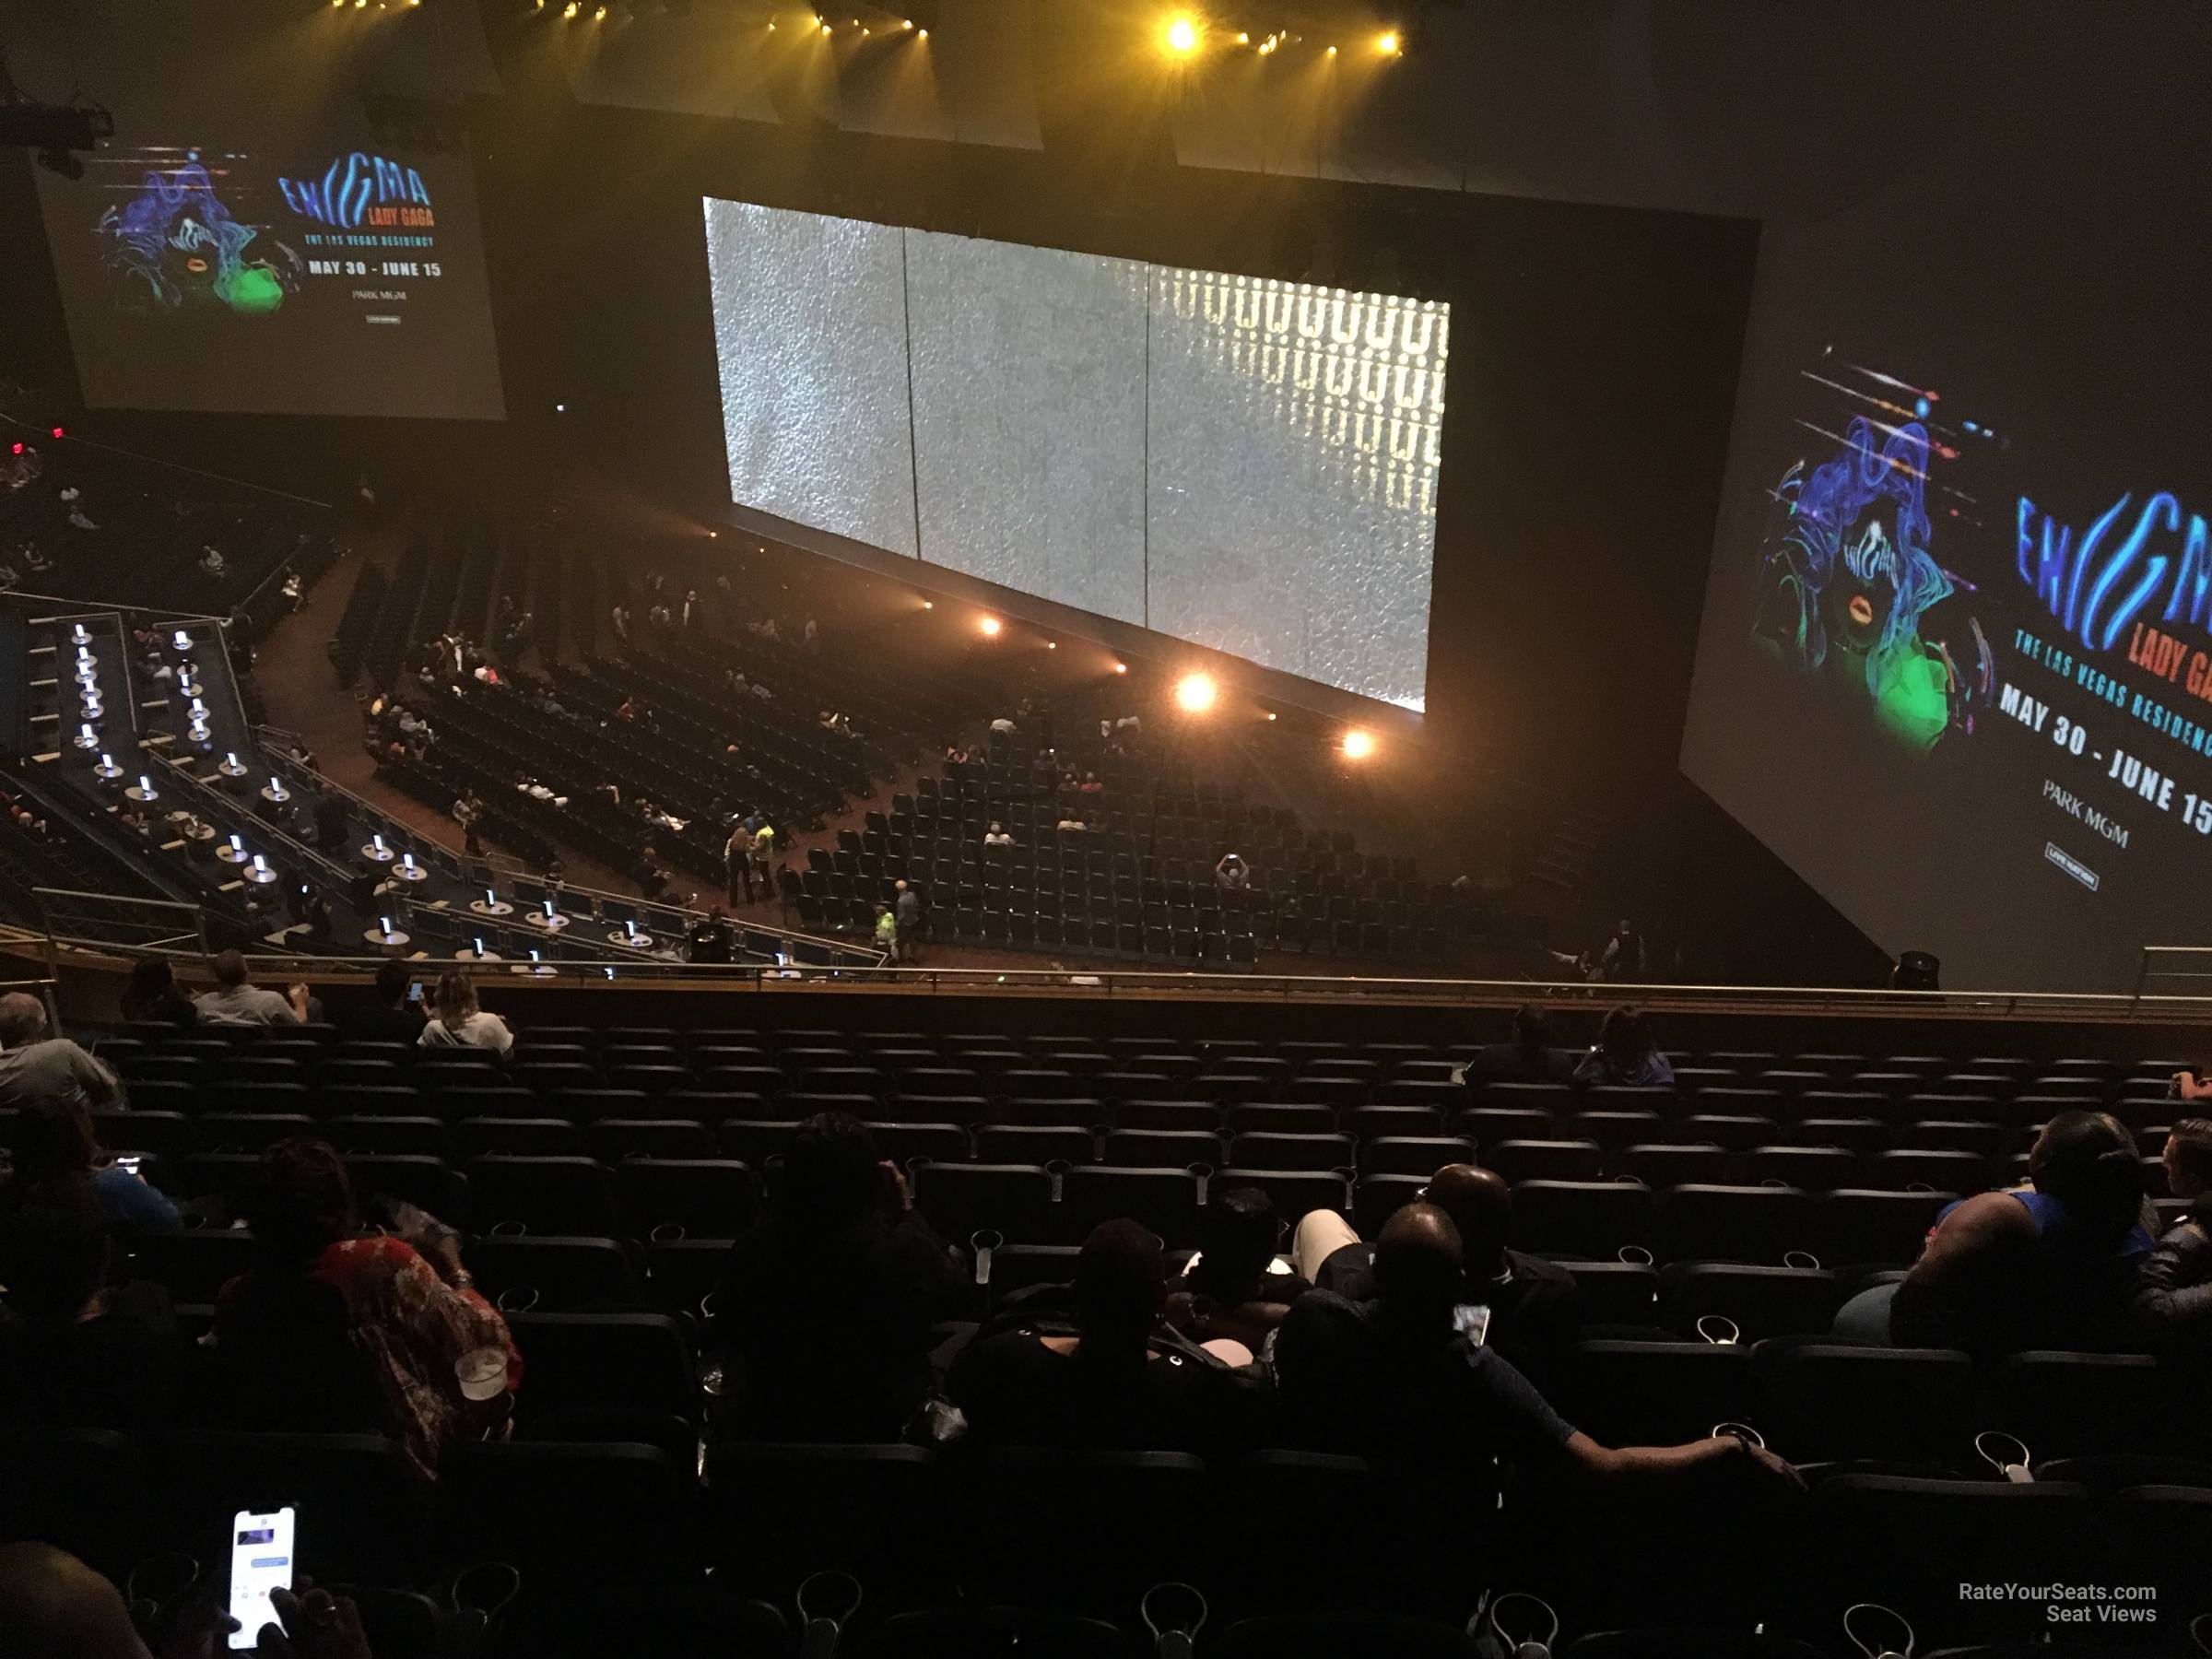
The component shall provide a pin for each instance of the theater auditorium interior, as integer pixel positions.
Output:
(1250, 829)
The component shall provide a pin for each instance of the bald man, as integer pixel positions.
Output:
(1535, 1318)
(1392, 1378)
(53, 1607)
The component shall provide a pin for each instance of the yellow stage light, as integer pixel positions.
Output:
(825, 28)
(1195, 693)
(1332, 51)
(1244, 38)
(922, 34)
(929, 604)
(771, 25)
(569, 11)
(1181, 37)
(1387, 44)
(599, 15)
(1358, 745)
(1120, 668)
(906, 22)
(991, 624)
(1051, 644)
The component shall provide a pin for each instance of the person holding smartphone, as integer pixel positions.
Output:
(54, 1607)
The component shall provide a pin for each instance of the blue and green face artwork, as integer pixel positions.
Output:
(1847, 585)
(175, 244)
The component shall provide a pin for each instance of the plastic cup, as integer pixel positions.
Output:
(483, 1373)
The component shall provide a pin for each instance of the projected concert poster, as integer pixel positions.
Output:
(323, 277)
(1964, 689)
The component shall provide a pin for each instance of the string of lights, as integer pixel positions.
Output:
(1181, 35)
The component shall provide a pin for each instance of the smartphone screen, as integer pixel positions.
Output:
(415, 992)
(261, 1560)
(129, 1162)
(1472, 1320)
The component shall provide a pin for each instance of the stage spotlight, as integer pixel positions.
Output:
(58, 432)
(1332, 51)
(1120, 668)
(906, 22)
(1181, 36)
(1195, 693)
(1388, 43)
(929, 604)
(922, 34)
(1244, 38)
(599, 15)
(991, 624)
(568, 12)
(1358, 745)
(1051, 644)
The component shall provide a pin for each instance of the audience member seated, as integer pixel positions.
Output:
(1397, 1379)
(153, 996)
(1535, 1320)
(455, 1022)
(336, 1330)
(236, 1002)
(1112, 1376)
(1528, 1058)
(36, 1069)
(387, 1018)
(1625, 1053)
(56, 1145)
(2053, 1265)
(76, 1351)
(2173, 1303)
(1230, 1290)
(828, 1303)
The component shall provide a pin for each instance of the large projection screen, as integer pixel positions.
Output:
(262, 236)
(1246, 463)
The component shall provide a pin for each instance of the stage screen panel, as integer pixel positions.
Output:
(1293, 467)
(1247, 464)
(250, 242)
(1032, 476)
(810, 336)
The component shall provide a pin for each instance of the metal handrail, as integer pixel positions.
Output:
(679, 916)
(1284, 988)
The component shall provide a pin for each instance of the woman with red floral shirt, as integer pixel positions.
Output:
(334, 1325)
